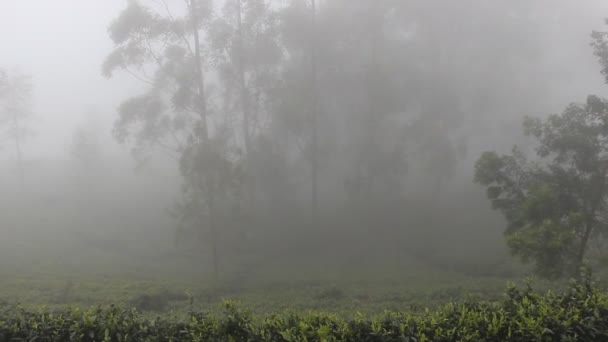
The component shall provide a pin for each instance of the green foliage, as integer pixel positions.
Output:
(555, 204)
(600, 49)
(580, 313)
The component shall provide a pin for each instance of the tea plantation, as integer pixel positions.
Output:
(577, 313)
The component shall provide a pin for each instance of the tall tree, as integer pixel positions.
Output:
(367, 86)
(175, 112)
(162, 50)
(314, 103)
(296, 96)
(244, 45)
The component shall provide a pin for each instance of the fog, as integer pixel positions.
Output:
(347, 145)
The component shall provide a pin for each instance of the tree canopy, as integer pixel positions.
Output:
(555, 203)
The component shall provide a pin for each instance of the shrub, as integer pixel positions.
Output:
(580, 313)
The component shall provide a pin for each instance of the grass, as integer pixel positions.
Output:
(337, 287)
(329, 280)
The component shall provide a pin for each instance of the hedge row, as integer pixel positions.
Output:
(580, 313)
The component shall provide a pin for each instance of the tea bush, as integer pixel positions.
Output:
(579, 313)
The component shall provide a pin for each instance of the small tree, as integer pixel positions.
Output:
(555, 204)
(15, 96)
(85, 147)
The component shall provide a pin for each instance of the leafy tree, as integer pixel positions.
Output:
(15, 97)
(553, 205)
(164, 51)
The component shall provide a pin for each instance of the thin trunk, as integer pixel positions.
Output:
(583, 247)
(244, 107)
(214, 236)
(18, 149)
(201, 102)
(373, 110)
(315, 108)
(591, 221)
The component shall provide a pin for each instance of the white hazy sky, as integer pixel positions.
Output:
(62, 44)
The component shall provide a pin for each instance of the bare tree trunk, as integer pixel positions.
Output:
(214, 236)
(373, 108)
(583, 247)
(201, 103)
(245, 108)
(18, 150)
(204, 137)
(315, 108)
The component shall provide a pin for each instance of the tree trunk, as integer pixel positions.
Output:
(245, 108)
(214, 237)
(583, 248)
(204, 137)
(201, 103)
(18, 150)
(591, 221)
(315, 109)
(372, 102)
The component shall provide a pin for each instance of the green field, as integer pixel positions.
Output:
(370, 287)
(578, 312)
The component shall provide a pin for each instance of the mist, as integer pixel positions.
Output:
(333, 147)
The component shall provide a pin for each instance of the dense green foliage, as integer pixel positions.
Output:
(556, 204)
(578, 314)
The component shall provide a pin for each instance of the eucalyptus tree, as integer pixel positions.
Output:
(360, 88)
(165, 45)
(297, 104)
(314, 106)
(162, 49)
(246, 53)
